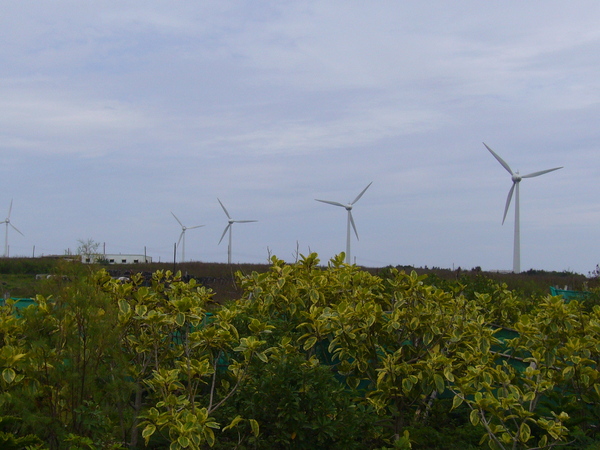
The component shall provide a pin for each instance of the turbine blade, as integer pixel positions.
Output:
(500, 160)
(197, 226)
(226, 213)
(180, 236)
(508, 199)
(224, 232)
(361, 194)
(9, 209)
(179, 221)
(352, 223)
(245, 221)
(331, 203)
(16, 229)
(541, 172)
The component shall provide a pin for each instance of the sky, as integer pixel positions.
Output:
(113, 115)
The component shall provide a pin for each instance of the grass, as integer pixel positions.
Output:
(18, 285)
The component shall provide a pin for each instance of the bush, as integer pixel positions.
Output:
(299, 404)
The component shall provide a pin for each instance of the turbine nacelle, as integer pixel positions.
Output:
(228, 227)
(182, 235)
(351, 224)
(7, 223)
(516, 179)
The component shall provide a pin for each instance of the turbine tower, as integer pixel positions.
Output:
(228, 227)
(516, 180)
(182, 236)
(350, 219)
(7, 222)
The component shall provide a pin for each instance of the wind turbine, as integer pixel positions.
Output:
(350, 219)
(7, 222)
(228, 227)
(182, 236)
(516, 180)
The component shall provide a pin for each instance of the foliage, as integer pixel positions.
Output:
(299, 404)
(307, 357)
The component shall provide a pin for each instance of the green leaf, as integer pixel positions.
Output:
(255, 427)
(148, 431)
(233, 423)
(9, 375)
(448, 374)
(456, 401)
(474, 417)
(310, 343)
(141, 310)
(124, 306)
(180, 319)
(524, 432)
(210, 436)
(439, 383)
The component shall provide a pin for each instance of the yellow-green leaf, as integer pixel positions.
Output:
(255, 427)
(9, 375)
(148, 431)
(439, 383)
(524, 432)
(124, 306)
(310, 343)
(456, 401)
(233, 423)
(210, 436)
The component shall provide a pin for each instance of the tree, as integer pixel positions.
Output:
(88, 248)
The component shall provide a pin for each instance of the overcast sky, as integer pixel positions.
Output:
(115, 114)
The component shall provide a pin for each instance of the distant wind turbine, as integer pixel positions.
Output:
(229, 227)
(7, 222)
(350, 219)
(182, 236)
(516, 180)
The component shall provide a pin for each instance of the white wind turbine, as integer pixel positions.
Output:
(229, 227)
(7, 222)
(516, 179)
(182, 236)
(350, 219)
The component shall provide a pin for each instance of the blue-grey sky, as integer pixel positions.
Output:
(114, 114)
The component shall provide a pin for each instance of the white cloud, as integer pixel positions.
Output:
(112, 115)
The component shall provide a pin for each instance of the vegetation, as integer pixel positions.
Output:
(305, 356)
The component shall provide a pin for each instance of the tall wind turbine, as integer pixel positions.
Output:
(228, 227)
(7, 222)
(516, 180)
(350, 219)
(182, 236)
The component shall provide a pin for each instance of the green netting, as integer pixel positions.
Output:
(569, 295)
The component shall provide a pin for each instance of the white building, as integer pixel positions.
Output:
(116, 259)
